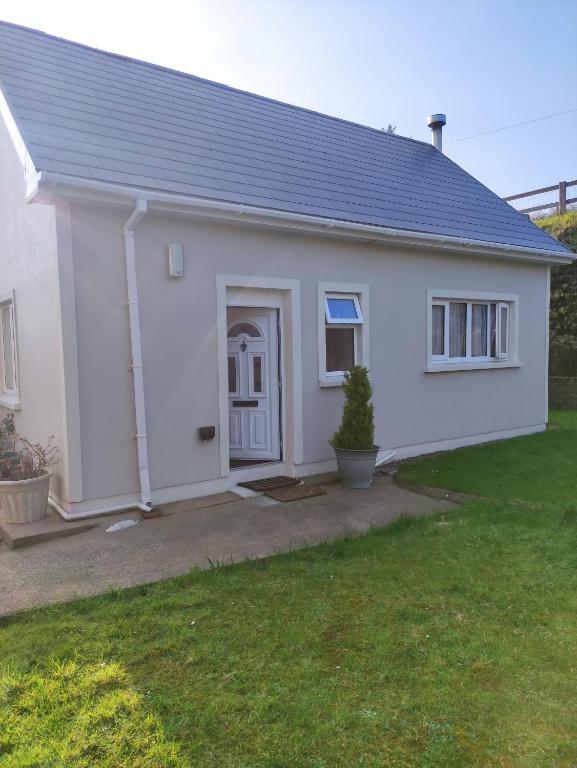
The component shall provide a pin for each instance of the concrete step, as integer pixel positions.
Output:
(52, 526)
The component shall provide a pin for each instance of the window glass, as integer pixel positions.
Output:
(438, 329)
(257, 373)
(479, 330)
(232, 374)
(473, 330)
(248, 328)
(8, 349)
(457, 329)
(493, 350)
(504, 329)
(342, 309)
(340, 345)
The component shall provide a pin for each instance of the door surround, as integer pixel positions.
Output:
(271, 293)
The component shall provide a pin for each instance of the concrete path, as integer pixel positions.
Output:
(92, 562)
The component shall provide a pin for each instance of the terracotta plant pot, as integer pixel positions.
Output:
(24, 501)
(356, 468)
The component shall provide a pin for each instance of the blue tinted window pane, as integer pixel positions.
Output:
(342, 309)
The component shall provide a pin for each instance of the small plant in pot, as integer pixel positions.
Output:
(354, 440)
(24, 474)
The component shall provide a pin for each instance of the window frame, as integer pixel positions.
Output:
(502, 305)
(360, 295)
(502, 359)
(330, 320)
(9, 396)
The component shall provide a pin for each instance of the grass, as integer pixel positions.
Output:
(561, 226)
(447, 641)
(540, 468)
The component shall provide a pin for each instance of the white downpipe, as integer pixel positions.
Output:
(136, 349)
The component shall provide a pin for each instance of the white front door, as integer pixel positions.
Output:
(253, 384)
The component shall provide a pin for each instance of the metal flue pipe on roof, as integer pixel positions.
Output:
(436, 123)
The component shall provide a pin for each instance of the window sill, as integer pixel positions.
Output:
(336, 381)
(10, 401)
(484, 366)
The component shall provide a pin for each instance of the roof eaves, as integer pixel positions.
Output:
(50, 184)
(495, 195)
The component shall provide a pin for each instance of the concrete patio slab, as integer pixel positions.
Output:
(205, 501)
(194, 537)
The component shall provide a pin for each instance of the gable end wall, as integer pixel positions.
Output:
(29, 267)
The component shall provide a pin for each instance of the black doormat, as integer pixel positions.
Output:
(271, 482)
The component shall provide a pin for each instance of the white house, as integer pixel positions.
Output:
(186, 270)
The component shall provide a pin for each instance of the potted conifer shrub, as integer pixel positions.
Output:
(354, 440)
(24, 474)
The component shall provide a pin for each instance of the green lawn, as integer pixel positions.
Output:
(449, 641)
(540, 468)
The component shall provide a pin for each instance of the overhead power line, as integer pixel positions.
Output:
(515, 125)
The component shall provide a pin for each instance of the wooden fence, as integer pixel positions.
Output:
(561, 204)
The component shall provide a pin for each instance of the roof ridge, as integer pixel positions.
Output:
(222, 86)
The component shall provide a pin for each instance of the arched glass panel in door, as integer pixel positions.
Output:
(249, 329)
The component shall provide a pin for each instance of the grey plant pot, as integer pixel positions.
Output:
(356, 468)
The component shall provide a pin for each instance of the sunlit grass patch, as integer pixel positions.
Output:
(69, 715)
(447, 641)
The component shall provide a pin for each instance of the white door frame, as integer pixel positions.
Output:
(273, 293)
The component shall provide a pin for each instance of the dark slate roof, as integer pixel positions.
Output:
(91, 114)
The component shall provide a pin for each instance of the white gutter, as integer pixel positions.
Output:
(136, 350)
(164, 201)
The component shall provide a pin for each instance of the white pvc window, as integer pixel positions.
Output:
(8, 357)
(469, 331)
(343, 316)
(343, 308)
(343, 330)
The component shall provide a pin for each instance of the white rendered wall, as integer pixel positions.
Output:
(178, 322)
(29, 266)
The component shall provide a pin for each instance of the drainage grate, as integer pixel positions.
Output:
(271, 482)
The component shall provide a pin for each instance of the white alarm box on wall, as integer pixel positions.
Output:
(176, 260)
